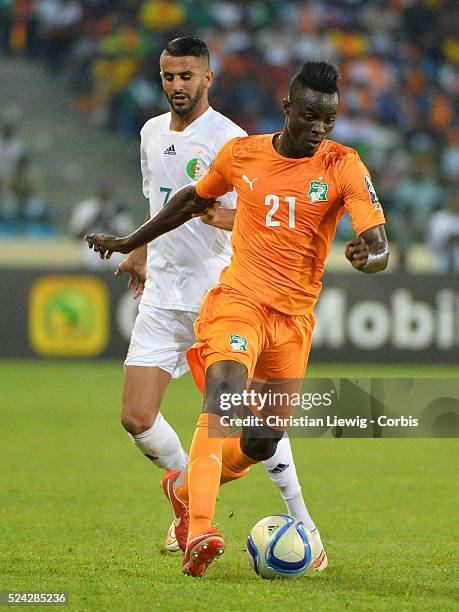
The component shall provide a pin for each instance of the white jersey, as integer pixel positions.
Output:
(185, 263)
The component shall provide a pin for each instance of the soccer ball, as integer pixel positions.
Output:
(279, 546)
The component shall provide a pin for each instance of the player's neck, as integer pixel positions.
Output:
(285, 147)
(178, 123)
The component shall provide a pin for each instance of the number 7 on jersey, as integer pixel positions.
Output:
(167, 192)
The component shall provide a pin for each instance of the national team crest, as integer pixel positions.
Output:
(318, 191)
(238, 343)
(196, 168)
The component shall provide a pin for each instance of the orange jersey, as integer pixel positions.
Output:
(286, 215)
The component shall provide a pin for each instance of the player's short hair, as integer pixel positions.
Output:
(319, 76)
(187, 45)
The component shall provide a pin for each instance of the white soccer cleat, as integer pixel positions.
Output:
(171, 544)
(320, 559)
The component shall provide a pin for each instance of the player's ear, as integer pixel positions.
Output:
(209, 77)
(286, 106)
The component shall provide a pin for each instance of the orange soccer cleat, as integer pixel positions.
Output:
(201, 551)
(179, 508)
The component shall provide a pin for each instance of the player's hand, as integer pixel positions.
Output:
(105, 245)
(357, 252)
(137, 275)
(209, 215)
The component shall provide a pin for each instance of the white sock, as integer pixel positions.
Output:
(282, 471)
(161, 445)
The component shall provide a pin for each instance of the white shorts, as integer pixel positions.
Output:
(160, 338)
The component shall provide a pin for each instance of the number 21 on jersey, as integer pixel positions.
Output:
(274, 201)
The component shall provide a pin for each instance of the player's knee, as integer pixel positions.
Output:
(136, 424)
(260, 443)
(224, 380)
(259, 449)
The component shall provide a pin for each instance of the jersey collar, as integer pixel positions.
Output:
(196, 124)
(297, 160)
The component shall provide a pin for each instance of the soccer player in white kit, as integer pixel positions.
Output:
(176, 149)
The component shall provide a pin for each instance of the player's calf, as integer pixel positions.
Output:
(161, 444)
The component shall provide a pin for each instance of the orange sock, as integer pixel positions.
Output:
(202, 480)
(235, 462)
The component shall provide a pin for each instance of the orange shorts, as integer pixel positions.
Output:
(230, 326)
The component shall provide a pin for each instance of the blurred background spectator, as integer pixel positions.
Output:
(101, 213)
(57, 28)
(24, 208)
(25, 191)
(444, 236)
(399, 61)
(11, 150)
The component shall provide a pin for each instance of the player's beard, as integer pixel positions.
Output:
(184, 111)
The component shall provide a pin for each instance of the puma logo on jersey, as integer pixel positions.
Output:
(170, 151)
(247, 180)
(213, 456)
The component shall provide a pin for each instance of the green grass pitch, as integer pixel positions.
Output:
(82, 512)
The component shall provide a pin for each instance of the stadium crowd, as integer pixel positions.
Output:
(23, 204)
(399, 61)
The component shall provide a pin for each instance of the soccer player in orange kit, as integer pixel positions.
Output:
(293, 188)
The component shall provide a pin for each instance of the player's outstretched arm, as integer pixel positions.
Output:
(370, 251)
(216, 216)
(177, 211)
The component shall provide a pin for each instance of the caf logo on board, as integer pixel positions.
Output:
(69, 316)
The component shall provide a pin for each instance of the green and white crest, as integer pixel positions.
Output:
(238, 343)
(318, 191)
(195, 168)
